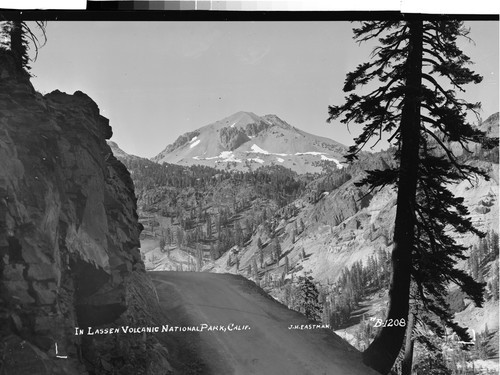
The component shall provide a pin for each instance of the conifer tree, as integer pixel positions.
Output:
(209, 226)
(418, 67)
(301, 226)
(180, 236)
(20, 39)
(277, 248)
(255, 270)
(238, 234)
(168, 235)
(309, 298)
(494, 281)
(199, 257)
(261, 257)
(493, 244)
(162, 244)
(213, 254)
(302, 253)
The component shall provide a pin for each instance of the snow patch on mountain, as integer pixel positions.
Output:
(257, 149)
(323, 157)
(280, 160)
(310, 153)
(228, 156)
(339, 166)
(257, 160)
(224, 156)
(195, 143)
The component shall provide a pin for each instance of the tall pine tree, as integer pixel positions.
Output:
(419, 67)
(20, 38)
(308, 298)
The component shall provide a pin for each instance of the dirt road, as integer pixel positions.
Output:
(244, 331)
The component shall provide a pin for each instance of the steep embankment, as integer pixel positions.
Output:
(69, 239)
(257, 338)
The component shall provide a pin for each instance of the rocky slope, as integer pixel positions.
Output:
(245, 141)
(490, 125)
(332, 229)
(119, 153)
(69, 239)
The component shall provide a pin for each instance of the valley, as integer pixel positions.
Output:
(314, 225)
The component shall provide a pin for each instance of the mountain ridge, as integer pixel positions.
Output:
(244, 141)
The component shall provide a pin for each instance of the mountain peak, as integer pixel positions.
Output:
(118, 152)
(240, 119)
(275, 120)
(245, 113)
(490, 125)
(246, 141)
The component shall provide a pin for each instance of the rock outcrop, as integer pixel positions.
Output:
(69, 240)
(232, 138)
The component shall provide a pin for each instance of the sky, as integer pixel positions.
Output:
(158, 80)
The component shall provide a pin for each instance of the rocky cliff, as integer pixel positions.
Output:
(69, 240)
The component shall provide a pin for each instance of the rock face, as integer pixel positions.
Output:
(69, 238)
(232, 138)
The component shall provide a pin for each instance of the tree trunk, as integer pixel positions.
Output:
(17, 48)
(408, 357)
(384, 349)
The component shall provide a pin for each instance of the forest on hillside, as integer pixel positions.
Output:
(209, 209)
